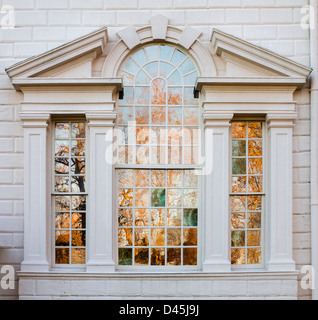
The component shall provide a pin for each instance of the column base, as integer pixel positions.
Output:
(281, 265)
(100, 267)
(35, 266)
(216, 266)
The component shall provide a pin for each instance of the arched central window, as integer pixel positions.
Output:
(158, 147)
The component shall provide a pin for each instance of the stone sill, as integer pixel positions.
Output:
(237, 275)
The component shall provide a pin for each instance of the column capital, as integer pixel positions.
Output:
(101, 119)
(281, 120)
(34, 119)
(213, 119)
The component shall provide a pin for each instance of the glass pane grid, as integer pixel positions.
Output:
(69, 197)
(160, 101)
(165, 226)
(247, 193)
(157, 123)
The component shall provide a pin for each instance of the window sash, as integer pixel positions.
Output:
(247, 194)
(76, 219)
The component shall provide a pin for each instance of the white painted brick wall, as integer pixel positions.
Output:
(45, 24)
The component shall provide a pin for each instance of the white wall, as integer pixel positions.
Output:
(44, 24)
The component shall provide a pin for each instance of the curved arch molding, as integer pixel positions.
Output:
(159, 31)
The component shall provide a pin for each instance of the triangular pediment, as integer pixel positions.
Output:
(243, 59)
(71, 59)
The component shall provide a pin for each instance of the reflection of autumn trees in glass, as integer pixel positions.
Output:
(157, 217)
(70, 210)
(247, 179)
(159, 93)
(158, 209)
(70, 155)
(79, 180)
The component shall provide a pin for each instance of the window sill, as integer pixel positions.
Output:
(237, 274)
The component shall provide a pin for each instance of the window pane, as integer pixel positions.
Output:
(173, 257)
(158, 217)
(62, 256)
(190, 78)
(78, 256)
(158, 92)
(238, 148)
(239, 130)
(238, 256)
(124, 257)
(165, 52)
(175, 79)
(158, 197)
(62, 166)
(254, 129)
(152, 52)
(190, 256)
(152, 69)
(175, 116)
(187, 67)
(62, 130)
(125, 237)
(142, 115)
(125, 217)
(190, 217)
(141, 257)
(165, 69)
(62, 220)
(238, 239)
(78, 130)
(157, 257)
(141, 237)
(238, 221)
(142, 95)
(174, 96)
(130, 66)
(254, 256)
(177, 57)
(140, 57)
(239, 166)
(158, 115)
(174, 217)
(142, 78)
(62, 203)
(62, 148)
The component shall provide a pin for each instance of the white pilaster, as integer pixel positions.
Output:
(35, 192)
(100, 238)
(279, 191)
(216, 253)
